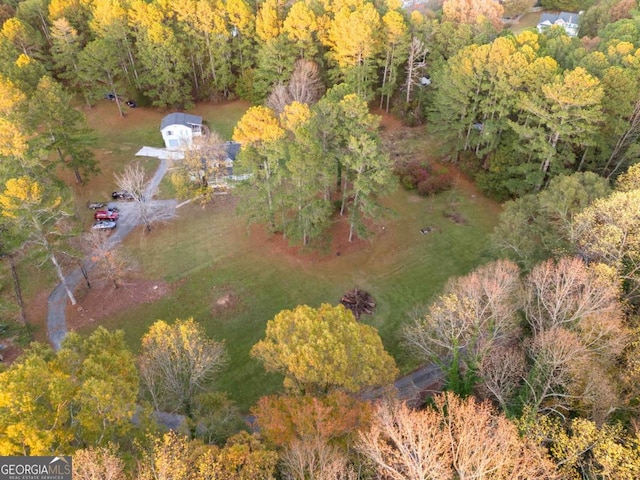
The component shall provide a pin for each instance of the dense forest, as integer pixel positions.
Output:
(538, 347)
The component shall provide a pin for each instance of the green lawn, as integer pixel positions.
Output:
(207, 253)
(528, 20)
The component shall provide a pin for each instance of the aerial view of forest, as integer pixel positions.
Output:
(321, 239)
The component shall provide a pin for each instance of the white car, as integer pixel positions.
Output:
(104, 225)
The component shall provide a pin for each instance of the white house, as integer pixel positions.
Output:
(567, 20)
(178, 129)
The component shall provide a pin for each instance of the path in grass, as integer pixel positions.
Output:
(57, 303)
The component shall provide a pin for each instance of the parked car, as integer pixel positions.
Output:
(131, 104)
(121, 196)
(96, 205)
(110, 96)
(104, 225)
(106, 215)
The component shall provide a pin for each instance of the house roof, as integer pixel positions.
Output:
(232, 149)
(178, 118)
(566, 17)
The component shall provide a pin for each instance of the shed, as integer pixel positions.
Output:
(178, 129)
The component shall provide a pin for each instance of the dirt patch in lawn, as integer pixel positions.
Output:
(103, 300)
(225, 301)
(334, 242)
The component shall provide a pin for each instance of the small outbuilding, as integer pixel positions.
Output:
(178, 129)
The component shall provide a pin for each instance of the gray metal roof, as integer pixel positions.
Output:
(566, 17)
(179, 118)
(232, 149)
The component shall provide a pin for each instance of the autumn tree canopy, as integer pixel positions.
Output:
(322, 349)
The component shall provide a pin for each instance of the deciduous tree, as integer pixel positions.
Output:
(83, 395)
(148, 210)
(450, 440)
(111, 262)
(34, 406)
(473, 12)
(203, 166)
(580, 447)
(322, 349)
(244, 457)
(177, 363)
(473, 315)
(260, 133)
(98, 463)
(41, 212)
(314, 433)
(608, 232)
(106, 385)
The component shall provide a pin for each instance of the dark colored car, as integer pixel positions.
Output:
(110, 96)
(104, 225)
(121, 196)
(96, 205)
(131, 104)
(106, 215)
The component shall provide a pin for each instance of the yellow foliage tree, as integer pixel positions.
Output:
(322, 349)
(301, 25)
(41, 217)
(268, 21)
(258, 126)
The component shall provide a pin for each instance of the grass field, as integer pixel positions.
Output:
(208, 254)
(528, 20)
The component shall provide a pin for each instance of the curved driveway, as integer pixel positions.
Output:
(57, 303)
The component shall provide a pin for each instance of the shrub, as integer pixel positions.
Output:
(422, 176)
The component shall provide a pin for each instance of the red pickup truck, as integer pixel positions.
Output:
(106, 215)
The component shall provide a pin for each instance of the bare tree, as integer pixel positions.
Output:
(404, 444)
(178, 362)
(555, 354)
(148, 210)
(278, 98)
(562, 293)
(204, 164)
(473, 12)
(98, 463)
(305, 86)
(472, 429)
(317, 459)
(416, 63)
(502, 371)
(451, 440)
(112, 264)
(473, 314)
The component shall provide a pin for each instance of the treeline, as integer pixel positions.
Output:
(172, 55)
(520, 110)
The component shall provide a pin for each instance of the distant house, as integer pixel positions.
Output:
(566, 20)
(178, 129)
